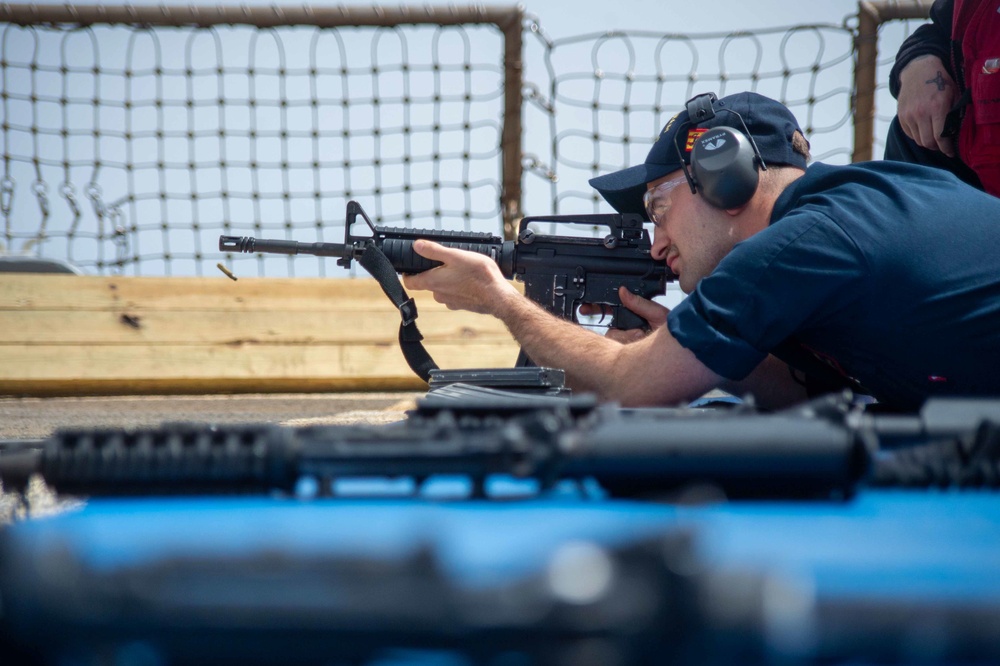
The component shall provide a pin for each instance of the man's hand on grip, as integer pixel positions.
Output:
(654, 313)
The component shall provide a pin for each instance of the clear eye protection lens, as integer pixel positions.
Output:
(655, 200)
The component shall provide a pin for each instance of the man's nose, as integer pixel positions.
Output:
(660, 245)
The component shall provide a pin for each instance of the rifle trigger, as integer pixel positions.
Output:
(408, 311)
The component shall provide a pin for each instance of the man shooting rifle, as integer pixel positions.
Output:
(882, 276)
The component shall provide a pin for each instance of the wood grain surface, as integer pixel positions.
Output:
(66, 335)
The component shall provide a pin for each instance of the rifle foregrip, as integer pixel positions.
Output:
(405, 259)
(183, 459)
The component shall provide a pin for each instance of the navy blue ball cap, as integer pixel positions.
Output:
(769, 122)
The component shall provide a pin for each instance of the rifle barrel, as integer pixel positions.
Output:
(249, 245)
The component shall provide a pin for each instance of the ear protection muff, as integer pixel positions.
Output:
(724, 163)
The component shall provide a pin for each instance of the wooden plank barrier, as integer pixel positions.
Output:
(64, 335)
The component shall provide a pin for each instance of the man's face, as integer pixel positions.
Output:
(691, 236)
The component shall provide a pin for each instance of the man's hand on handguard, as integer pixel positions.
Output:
(465, 281)
(926, 95)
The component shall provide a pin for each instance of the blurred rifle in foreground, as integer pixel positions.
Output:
(560, 273)
(648, 603)
(823, 449)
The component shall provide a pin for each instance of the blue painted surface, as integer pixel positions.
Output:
(897, 544)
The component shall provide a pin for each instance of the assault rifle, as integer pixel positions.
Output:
(540, 438)
(560, 273)
(822, 449)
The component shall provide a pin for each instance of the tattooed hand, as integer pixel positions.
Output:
(926, 94)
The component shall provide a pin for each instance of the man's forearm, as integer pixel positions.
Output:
(653, 371)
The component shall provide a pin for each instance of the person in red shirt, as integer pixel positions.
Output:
(947, 82)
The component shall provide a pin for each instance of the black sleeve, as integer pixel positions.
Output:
(932, 38)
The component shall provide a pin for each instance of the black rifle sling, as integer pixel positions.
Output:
(377, 264)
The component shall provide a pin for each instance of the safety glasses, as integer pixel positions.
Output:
(656, 200)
